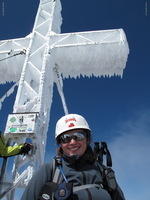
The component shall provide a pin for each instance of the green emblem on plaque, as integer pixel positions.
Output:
(13, 119)
(13, 129)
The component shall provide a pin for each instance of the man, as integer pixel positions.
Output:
(78, 168)
(6, 151)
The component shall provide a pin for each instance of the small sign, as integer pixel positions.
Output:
(21, 123)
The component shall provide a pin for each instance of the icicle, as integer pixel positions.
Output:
(59, 84)
(0, 105)
(7, 94)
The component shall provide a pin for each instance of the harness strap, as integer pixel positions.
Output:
(56, 175)
(82, 187)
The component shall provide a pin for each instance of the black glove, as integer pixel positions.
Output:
(26, 148)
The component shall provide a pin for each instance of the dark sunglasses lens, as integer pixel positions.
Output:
(79, 136)
(68, 137)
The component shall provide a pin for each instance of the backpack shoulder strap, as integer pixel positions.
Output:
(56, 175)
(110, 183)
(108, 177)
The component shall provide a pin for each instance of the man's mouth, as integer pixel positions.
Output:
(73, 148)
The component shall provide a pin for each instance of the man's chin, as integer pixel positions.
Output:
(75, 153)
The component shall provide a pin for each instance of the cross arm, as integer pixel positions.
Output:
(98, 53)
(12, 56)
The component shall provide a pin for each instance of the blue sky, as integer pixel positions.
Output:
(117, 109)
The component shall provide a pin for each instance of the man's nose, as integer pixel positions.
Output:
(72, 141)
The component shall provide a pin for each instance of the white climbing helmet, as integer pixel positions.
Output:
(70, 122)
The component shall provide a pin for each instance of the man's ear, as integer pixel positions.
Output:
(88, 141)
(59, 151)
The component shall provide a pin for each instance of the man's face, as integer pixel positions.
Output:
(74, 146)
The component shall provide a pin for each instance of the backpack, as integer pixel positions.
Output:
(108, 174)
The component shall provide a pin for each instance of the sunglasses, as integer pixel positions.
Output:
(78, 136)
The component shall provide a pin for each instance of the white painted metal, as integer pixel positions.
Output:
(45, 57)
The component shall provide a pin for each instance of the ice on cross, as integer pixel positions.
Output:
(45, 56)
(97, 52)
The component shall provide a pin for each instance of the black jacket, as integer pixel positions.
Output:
(79, 171)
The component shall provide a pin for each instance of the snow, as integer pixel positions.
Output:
(98, 53)
(7, 94)
(12, 56)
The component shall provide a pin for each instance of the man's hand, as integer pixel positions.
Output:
(26, 148)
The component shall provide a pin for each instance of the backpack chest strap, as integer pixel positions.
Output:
(83, 187)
